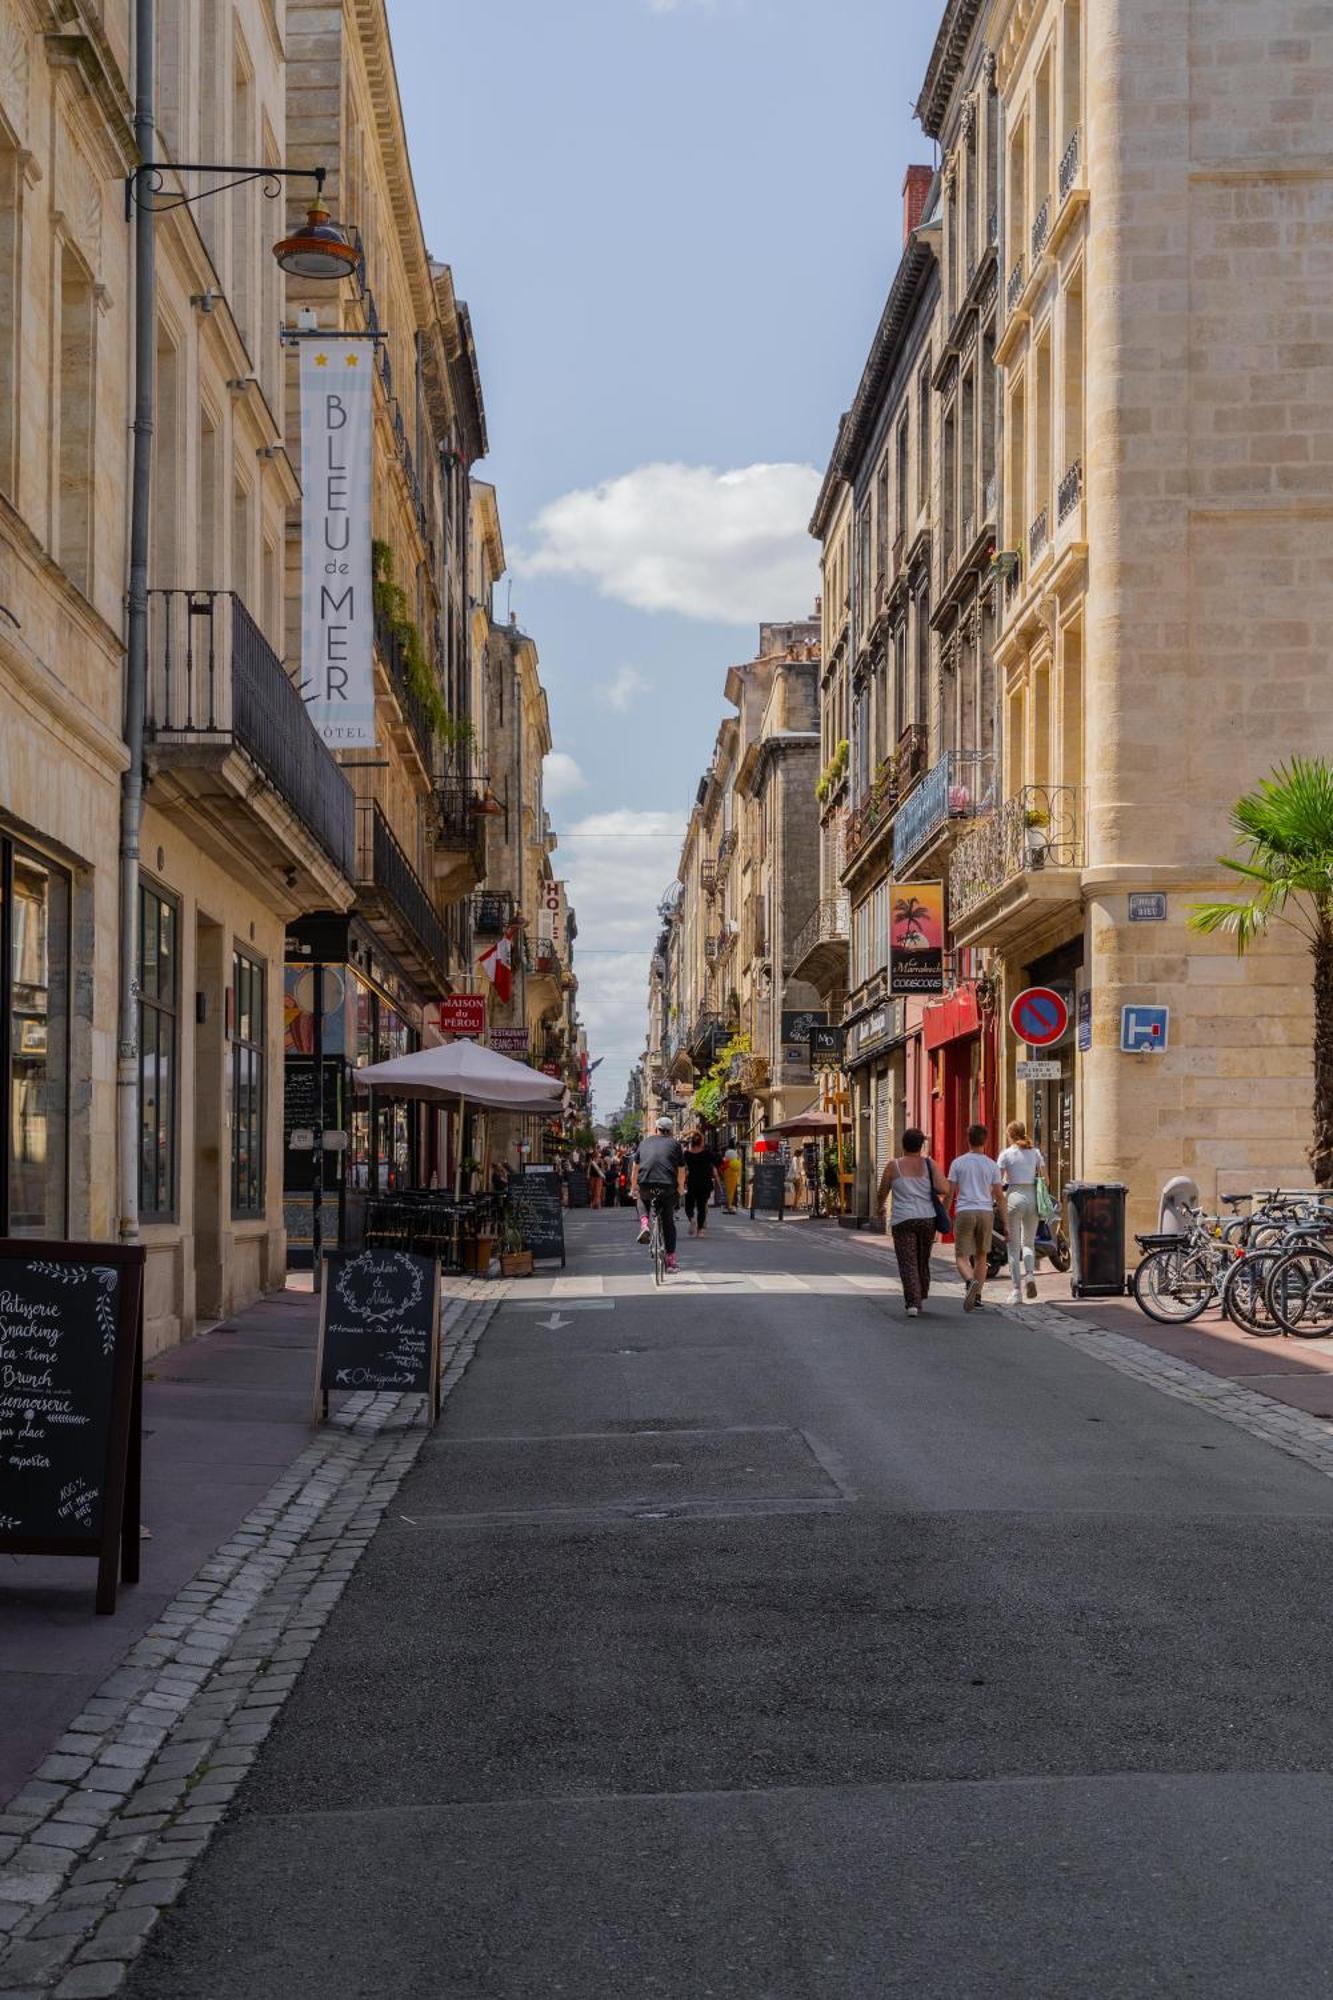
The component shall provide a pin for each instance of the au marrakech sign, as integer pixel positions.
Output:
(337, 614)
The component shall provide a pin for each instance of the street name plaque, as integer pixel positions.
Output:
(70, 1394)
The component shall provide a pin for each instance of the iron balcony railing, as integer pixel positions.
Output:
(1069, 165)
(1041, 229)
(706, 1036)
(829, 923)
(953, 788)
(1070, 491)
(456, 818)
(1040, 827)
(726, 848)
(382, 865)
(1014, 289)
(492, 912)
(708, 876)
(213, 677)
(413, 707)
(1038, 535)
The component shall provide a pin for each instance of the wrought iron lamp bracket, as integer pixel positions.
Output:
(146, 187)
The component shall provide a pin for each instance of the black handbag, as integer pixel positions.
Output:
(943, 1219)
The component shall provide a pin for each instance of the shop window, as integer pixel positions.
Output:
(247, 1086)
(159, 986)
(34, 1044)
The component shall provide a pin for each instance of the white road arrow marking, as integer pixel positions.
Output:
(554, 1323)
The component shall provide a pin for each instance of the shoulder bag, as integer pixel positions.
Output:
(943, 1219)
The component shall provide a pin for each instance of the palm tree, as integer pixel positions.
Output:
(907, 914)
(1285, 829)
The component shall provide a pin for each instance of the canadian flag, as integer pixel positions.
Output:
(498, 966)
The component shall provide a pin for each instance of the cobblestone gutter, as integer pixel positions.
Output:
(105, 1833)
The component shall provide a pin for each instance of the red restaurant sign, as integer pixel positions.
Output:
(462, 1014)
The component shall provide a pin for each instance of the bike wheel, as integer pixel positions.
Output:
(1174, 1286)
(1299, 1293)
(659, 1252)
(1245, 1293)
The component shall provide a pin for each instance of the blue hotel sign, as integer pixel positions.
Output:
(924, 809)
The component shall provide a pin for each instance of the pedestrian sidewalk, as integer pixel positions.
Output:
(1297, 1373)
(224, 1415)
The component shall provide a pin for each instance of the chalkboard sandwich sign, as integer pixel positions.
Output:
(768, 1188)
(379, 1325)
(71, 1389)
(533, 1204)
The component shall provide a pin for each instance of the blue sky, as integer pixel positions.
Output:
(674, 222)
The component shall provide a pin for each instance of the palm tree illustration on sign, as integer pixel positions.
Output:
(908, 913)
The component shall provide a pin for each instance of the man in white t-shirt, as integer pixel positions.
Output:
(974, 1180)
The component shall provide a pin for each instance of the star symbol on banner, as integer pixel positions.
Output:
(351, 360)
(321, 361)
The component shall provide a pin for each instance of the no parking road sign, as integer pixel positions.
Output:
(1040, 1017)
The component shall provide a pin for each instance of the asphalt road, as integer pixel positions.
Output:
(752, 1640)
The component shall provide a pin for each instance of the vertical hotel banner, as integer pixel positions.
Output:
(916, 937)
(337, 613)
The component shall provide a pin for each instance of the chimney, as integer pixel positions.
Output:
(916, 186)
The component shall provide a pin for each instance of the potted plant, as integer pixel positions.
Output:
(515, 1261)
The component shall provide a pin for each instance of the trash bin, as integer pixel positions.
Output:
(1096, 1238)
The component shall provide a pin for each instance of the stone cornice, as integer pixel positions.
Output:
(905, 294)
(376, 49)
(945, 65)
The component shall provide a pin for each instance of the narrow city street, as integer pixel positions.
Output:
(748, 1639)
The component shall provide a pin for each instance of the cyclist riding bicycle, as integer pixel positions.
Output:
(659, 1179)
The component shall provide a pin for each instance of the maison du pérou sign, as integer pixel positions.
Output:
(337, 608)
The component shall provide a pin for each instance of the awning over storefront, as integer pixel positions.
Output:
(464, 1071)
(809, 1125)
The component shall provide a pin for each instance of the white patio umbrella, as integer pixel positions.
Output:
(464, 1073)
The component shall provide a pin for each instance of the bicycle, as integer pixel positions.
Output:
(656, 1243)
(1180, 1276)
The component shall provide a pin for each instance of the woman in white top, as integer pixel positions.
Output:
(1021, 1162)
(913, 1180)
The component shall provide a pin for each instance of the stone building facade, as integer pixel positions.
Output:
(1131, 206)
(262, 855)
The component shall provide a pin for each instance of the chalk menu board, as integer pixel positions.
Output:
(533, 1201)
(578, 1187)
(70, 1376)
(379, 1324)
(768, 1187)
(300, 1110)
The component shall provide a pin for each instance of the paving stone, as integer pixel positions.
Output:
(65, 1833)
(89, 1808)
(85, 1895)
(37, 1958)
(90, 1982)
(34, 1882)
(155, 1895)
(118, 1926)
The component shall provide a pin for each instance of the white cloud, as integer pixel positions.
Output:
(561, 775)
(619, 692)
(617, 865)
(721, 545)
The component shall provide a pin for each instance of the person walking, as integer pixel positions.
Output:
(731, 1177)
(596, 1178)
(701, 1175)
(974, 1182)
(914, 1182)
(1022, 1164)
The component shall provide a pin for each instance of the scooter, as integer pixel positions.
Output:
(1051, 1243)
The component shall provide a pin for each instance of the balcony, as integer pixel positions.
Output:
(726, 848)
(1069, 492)
(708, 876)
(492, 913)
(416, 715)
(951, 790)
(1038, 536)
(232, 750)
(1041, 229)
(393, 898)
(1017, 866)
(819, 954)
(893, 781)
(456, 821)
(1069, 165)
(705, 1038)
(1013, 291)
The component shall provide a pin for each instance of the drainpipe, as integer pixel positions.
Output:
(136, 676)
